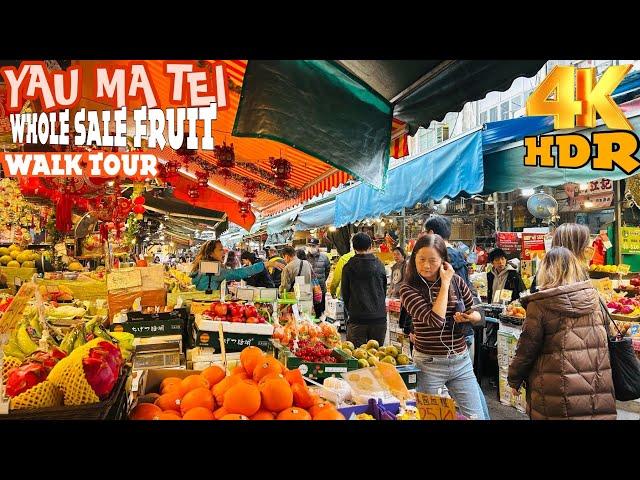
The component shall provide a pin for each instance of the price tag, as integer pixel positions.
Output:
(335, 369)
(265, 294)
(435, 407)
(503, 295)
(624, 269)
(245, 294)
(223, 291)
(296, 313)
(210, 267)
(607, 244)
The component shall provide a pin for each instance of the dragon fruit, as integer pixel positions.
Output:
(102, 368)
(24, 377)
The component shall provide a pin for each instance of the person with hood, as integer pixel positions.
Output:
(503, 276)
(261, 279)
(397, 272)
(364, 287)
(563, 352)
(321, 267)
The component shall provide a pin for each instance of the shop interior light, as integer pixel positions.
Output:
(588, 204)
(444, 201)
(111, 183)
(584, 186)
(332, 229)
(527, 192)
(382, 224)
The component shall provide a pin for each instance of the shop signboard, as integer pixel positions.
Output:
(630, 240)
(510, 242)
(533, 245)
(435, 407)
(598, 192)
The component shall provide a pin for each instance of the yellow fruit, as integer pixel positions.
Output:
(5, 259)
(75, 267)
(13, 264)
(29, 264)
(14, 248)
(14, 254)
(4, 251)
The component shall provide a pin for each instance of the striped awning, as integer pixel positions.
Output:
(399, 140)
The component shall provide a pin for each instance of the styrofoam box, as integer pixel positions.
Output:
(207, 325)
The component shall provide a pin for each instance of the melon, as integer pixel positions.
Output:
(4, 251)
(23, 257)
(13, 264)
(5, 259)
(29, 264)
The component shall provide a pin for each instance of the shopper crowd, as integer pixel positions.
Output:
(562, 355)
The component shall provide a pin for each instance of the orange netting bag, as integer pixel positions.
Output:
(42, 395)
(8, 364)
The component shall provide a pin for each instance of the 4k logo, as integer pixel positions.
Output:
(578, 96)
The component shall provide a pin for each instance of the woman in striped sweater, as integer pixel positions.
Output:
(437, 300)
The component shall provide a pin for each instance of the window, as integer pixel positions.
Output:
(516, 103)
(431, 137)
(422, 139)
(493, 114)
(504, 111)
(483, 118)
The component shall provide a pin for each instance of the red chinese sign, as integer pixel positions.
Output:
(510, 242)
(531, 243)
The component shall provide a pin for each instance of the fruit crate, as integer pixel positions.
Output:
(113, 408)
(318, 371)
(409, 374)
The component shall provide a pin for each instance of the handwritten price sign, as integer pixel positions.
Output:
(434, 407)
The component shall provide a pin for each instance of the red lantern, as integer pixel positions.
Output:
(138, 209)
(225, 155)
(250, 189)
(203, 179)
(171, 168)
(193, 193)
(244, 208)
(281, 169)
(139, 200)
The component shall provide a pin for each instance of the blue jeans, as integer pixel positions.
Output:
(456, 373)
(485, 408)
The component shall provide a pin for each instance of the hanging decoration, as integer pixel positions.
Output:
(203, 179)
(226, 158)
(250, 189)
(171, 169)
(281, 169)
(193, 193)
(244, 208)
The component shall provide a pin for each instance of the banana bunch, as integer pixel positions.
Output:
(183, 280)
(24, 338)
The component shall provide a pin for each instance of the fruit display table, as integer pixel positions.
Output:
(82, 289)
(23, 273)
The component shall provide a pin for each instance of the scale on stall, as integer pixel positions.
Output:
(210, 269)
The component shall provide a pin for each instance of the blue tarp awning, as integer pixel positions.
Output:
(316, 216)
(446, 171)
(505, 170)
(282, 222)
(497, 134)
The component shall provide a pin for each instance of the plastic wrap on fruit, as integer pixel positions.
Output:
(137, 305)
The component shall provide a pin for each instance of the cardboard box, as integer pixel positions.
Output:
(123, 300)
(205, 324)
(234, 342)
(151, 328)
(152, 378)
(335, 309)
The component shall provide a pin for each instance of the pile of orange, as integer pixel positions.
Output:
(261, 388)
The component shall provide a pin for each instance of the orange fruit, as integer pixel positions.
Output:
(175, 388)
(242, 398)
(295, 376)
(194, 381)
(294, 413)
(234, 416)
(318, 407)
(302, 396)
(169, 401)
(168, 415)
(169, 381)
(238, 370)
(198, 397)
(263, 415)
(271, 376)
(249, 358)
(219, 413)
(145, 411)
(276, 395)
(199, 413)
(221, 388)
(213, 374)
(266, 366)
(329, 414)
